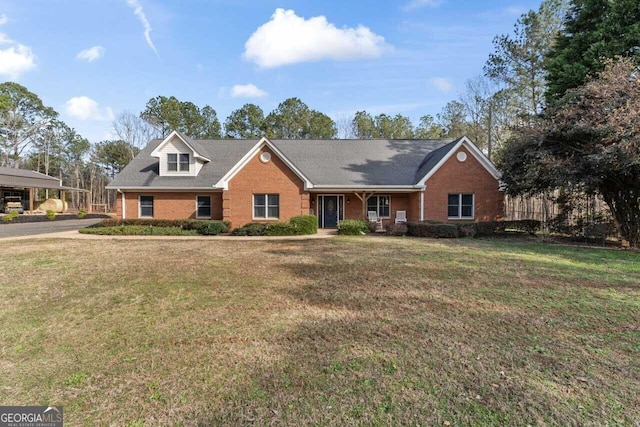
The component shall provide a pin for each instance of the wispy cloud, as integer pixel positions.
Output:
(92, 54)
(85, 108)
(247, 91)
(289, 39)
(417, 4)
(137, 10)
(441, 83)
(508, 12)
(15, 58)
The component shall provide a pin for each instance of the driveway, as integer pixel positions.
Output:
(35, 228)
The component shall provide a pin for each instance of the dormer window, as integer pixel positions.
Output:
(178, 162)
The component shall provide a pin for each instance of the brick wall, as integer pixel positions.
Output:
(468, 177)
(177, 205)
(273, 177)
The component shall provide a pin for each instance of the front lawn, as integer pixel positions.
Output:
(350, 330)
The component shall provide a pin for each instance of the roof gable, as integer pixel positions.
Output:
(223, 183)
(438, 159)
(191, 145)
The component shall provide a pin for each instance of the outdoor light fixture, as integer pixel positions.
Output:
(348, 201)
(313, 202)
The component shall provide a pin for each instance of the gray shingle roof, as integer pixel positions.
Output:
(24, 173)
(379, 162)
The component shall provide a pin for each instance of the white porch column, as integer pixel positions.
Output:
(124, 207)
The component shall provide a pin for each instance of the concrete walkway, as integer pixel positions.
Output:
(75, 235)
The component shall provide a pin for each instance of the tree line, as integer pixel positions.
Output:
(581, 137)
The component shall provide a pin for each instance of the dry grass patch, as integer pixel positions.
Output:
(355, 331)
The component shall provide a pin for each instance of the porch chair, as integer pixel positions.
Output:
(401, 216)
(373, 217)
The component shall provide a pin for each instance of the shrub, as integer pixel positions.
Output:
(430, 229)
(138, 230)
(280, 229)
(12, 215)
(421, 229)
(467, 230)
(305, 224)
(51, 214)
(397, 229)
(251, 229)
(211, 228)
(446, 231)
(185, 224)
(485, 229)
(352, 227)
(81, 213)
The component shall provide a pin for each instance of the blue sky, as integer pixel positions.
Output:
(91, 59)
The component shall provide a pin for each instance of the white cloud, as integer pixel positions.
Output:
(85, 108)
(247, 91)
(91, 54)
(441, 83)
(289, 39)
(137, 10)
(417, 4)
(15, 58)
(514, 11)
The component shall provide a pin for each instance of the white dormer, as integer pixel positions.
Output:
(178, 157)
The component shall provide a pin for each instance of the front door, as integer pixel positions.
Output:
(330, 211)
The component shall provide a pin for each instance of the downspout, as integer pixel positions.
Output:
(421, 205)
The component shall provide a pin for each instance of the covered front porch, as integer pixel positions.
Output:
(331, 207)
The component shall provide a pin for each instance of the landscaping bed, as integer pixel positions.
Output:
(158, 227)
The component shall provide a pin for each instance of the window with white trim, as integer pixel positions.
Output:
(178, 162)
(146, 206)
(266, 206)
(460, 206)
(203, 206)
(381, 205)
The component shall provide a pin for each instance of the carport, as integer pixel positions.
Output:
(23, 183)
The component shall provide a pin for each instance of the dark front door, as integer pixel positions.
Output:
(330, 211)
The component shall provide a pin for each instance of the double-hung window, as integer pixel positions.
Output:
(460, 206)
(203, 206)
(146, 206)
(266, 206)
(178, 162)
(381, 205)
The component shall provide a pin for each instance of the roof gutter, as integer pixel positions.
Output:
(120, 189)
(369, 187)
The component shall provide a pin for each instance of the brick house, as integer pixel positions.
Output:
(273, 180)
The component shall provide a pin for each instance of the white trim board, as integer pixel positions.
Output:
(165, 189)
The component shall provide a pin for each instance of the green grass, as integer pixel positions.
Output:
(345, 331)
